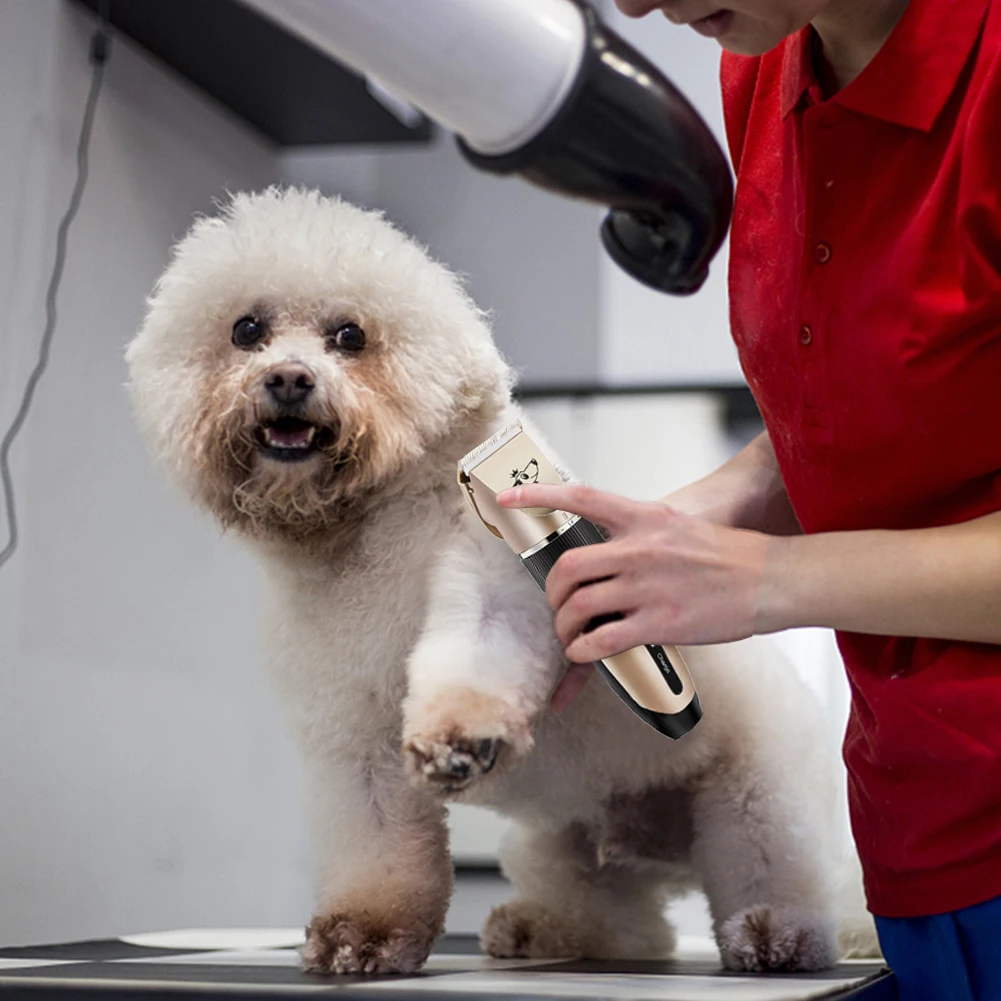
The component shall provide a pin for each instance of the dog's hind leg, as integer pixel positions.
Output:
(763, 862)
(568, 905)
(384, 875)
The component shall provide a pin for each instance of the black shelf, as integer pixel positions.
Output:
(292, 93)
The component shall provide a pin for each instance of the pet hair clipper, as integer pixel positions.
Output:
(652, 680)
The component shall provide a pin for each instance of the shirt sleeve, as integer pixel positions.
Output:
(738, 77)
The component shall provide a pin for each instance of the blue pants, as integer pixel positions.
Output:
(946, 957)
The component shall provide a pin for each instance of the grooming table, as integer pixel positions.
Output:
(253, 965)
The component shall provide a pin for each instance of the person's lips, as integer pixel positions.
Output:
(714, 25)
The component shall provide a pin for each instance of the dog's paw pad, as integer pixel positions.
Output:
(341, 944)
(778, 939)
(522, 929)
(450, 765)
(526, 929)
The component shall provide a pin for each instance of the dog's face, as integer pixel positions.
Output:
(300, 355)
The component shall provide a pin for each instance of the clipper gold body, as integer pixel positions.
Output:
(652, 680)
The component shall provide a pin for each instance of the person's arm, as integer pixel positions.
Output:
(684, 580)
(746, 492)
(943, 583)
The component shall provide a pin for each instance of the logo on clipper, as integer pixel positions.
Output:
(661, 657)
(530, 474)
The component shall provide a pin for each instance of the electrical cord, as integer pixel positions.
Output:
(100, 44)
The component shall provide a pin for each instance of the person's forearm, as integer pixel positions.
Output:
(943, 583)
(746, 492)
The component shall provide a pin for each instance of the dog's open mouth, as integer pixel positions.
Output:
(291, 439)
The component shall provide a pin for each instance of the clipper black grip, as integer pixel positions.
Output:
(580, 533)
(539, 563)
(586, 533)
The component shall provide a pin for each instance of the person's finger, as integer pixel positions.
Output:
(609, 510)
(592, 602)
(577, 676)
(605, 641)
(582, 566)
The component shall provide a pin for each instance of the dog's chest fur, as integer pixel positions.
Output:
(340, 627)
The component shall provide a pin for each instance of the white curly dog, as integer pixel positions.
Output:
(311, 377)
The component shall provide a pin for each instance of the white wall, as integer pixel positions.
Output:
(144, 780)
(645, 335)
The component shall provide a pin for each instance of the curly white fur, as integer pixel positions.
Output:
(414, 654)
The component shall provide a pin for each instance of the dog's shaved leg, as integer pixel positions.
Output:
(482, 669)
(758, 858)
(384, 876)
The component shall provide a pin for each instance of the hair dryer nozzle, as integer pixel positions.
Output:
(626, 137)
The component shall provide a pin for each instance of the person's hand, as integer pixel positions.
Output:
(673, 578)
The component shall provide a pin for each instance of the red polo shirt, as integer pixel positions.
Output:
(865, 282)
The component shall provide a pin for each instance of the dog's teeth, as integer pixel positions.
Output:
(275, 439)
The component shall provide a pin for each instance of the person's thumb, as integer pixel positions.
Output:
(571, 686)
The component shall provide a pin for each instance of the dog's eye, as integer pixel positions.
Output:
(247, 331)
(347, 337)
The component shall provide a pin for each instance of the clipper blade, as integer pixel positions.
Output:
(472, 459)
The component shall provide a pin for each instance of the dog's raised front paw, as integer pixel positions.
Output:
(451, 766)
(777, 938)
(460, 736)
(343, 943)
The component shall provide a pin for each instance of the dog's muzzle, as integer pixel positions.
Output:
(287, 433)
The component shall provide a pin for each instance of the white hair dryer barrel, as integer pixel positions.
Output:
(543, 89)
(493, 71)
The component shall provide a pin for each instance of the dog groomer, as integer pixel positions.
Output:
(865, 285)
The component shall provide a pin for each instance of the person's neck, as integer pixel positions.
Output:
(851, 33)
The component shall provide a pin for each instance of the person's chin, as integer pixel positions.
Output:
(744, 47)
(748, 40)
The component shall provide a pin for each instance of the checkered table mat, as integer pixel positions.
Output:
(260, 964)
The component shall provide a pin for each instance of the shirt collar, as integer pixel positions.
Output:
(912, 76)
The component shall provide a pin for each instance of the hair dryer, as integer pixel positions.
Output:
(542, 88)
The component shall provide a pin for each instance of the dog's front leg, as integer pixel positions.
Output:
(483, 668)
(384, 875)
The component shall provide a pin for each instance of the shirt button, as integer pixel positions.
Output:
(822, 253)
(806, 335)
(828, 183)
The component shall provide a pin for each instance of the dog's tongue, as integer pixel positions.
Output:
(300, 436)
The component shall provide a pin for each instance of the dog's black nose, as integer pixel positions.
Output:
(290, 383)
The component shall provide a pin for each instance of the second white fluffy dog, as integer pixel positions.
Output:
(311, 377)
